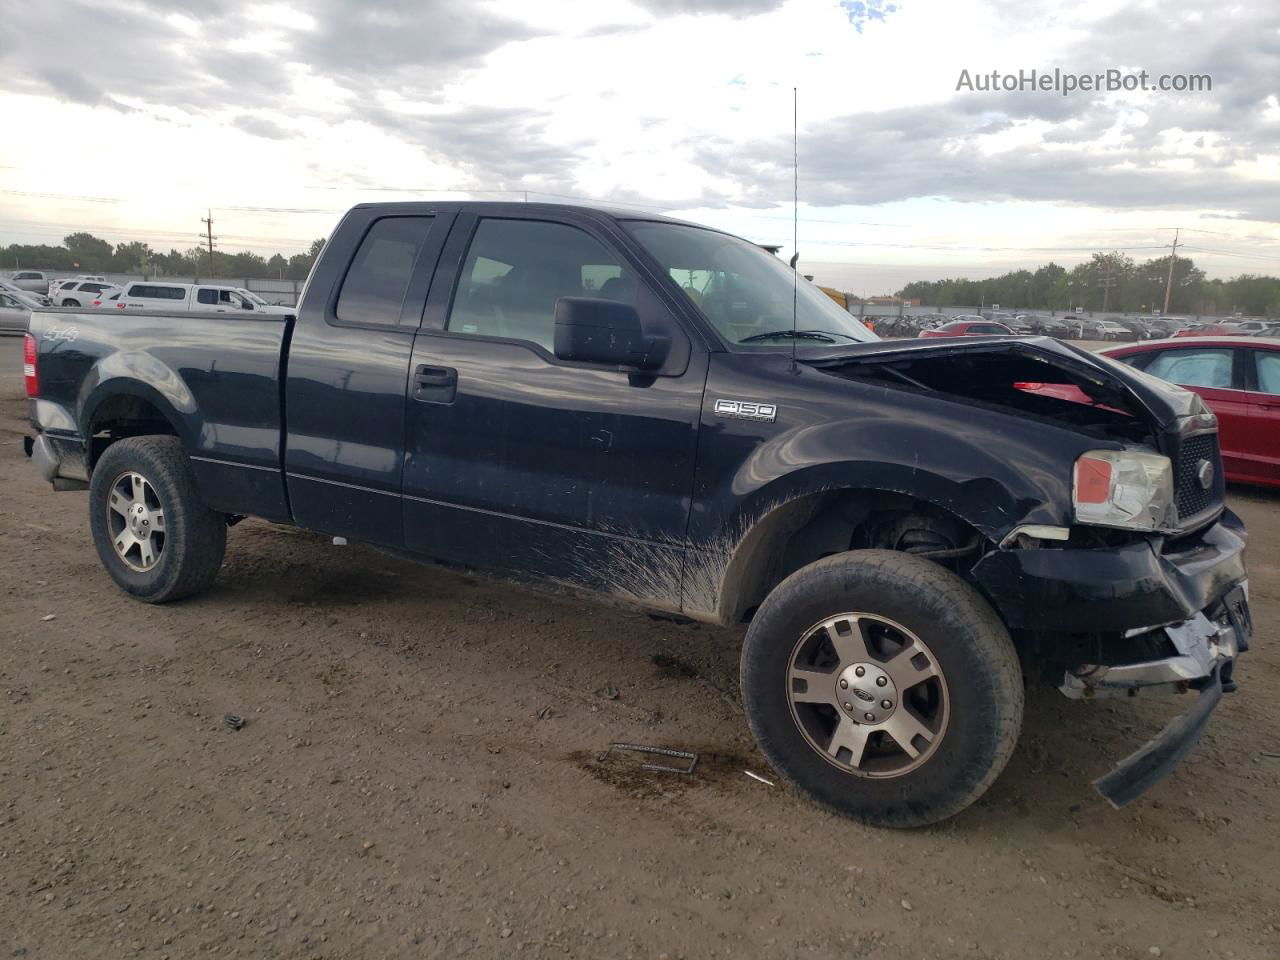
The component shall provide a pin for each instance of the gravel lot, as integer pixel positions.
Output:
(417, 778)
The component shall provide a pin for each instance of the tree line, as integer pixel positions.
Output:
(89, 254)
(1108, 282)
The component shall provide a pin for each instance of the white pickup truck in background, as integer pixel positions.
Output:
(200, 297)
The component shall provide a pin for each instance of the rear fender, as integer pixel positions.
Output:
(140, 375)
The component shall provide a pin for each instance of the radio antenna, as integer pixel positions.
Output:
(795, 221)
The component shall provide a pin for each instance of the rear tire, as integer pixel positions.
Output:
(829, 699)
(153, 534)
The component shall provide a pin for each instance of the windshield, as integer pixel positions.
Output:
(250, 295)
(745, 292)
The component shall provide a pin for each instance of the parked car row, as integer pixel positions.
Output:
(90, 290)
(1075, 327)
(16, 304)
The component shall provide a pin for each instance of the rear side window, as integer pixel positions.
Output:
(93, 287)
(374, 288)
(152, 292)
(1268, 371)
(1194, 368)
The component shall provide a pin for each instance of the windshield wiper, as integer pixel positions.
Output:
(791, 334)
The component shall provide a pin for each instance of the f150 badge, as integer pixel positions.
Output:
(746, 410)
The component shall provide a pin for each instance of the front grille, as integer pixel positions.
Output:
(1193, 499)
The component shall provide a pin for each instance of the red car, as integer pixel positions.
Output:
(1208, 330)
(1239, 380)
(968, 328)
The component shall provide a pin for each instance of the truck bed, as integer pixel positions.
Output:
(215, 378)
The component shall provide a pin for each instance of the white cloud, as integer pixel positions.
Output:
(684, 104)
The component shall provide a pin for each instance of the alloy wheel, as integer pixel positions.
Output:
(135, 518)
(868, 695)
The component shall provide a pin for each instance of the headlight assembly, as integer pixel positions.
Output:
(1128, 489)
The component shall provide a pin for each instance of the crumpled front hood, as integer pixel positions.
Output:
(1165, 402)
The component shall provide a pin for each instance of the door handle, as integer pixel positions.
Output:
(435, 384)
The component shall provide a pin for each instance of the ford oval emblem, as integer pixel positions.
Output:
(1204, 473)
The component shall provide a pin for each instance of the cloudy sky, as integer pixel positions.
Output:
(129, 118)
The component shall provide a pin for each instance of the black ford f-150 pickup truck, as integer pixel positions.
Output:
(664, 413)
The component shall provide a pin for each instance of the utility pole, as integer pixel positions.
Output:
(1107, 283)
(209, 237)
(1168, 285)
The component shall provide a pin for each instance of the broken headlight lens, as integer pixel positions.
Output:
(1125, 488)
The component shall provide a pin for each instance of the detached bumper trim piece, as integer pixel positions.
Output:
(1202, 647)
(1153, 761)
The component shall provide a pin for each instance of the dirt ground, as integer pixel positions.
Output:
(417, 777)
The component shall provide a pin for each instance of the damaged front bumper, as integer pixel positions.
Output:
(1176, 613)
(1116, 589)
(1203, 656)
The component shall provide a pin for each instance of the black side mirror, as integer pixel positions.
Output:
(606, 331)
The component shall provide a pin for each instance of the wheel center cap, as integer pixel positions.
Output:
(140, 520)
(866, 693)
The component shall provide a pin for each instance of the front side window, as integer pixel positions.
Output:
(207, 296)
(745, 292)
(516, 270)
(9, 303)
(1194, 368)
(375, 286)
(1268, 371)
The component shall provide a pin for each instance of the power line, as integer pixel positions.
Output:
(60, 196)
(1227, 253)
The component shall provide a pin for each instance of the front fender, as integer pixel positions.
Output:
(989, 468)
(765, 518)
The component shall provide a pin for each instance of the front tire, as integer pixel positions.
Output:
(153, 534)
(883, 686)
(70, 303)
